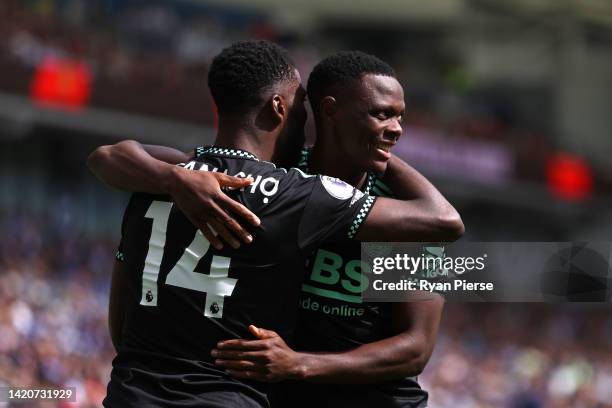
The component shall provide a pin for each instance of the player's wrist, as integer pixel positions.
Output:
(304, 367)
(171, 178)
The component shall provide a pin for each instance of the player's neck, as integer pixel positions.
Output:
(325, 161)
(236, 135)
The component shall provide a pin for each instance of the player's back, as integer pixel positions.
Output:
(184, 295)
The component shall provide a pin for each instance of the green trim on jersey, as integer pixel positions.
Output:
(381, 189)
(223, 151)
(361, 216)
(305, 158)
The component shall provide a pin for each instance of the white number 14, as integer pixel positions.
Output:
(216, 284)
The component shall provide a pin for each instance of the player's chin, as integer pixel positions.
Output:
(378, 166)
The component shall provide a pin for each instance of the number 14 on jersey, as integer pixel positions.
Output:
(216, 284)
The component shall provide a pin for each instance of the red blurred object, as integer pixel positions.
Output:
(569, 177)
(61, 83)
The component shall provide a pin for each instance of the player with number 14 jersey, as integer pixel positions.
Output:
(185, 295)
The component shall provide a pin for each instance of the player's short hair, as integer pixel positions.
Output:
(240, 74)
(341, 68)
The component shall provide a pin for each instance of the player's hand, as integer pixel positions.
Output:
(267, 359)
(199, 196)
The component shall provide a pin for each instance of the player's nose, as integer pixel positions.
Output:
(394, 130)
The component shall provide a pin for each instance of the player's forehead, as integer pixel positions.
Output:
(381, 89)
(375, 91)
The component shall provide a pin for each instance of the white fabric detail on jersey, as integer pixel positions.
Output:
(337, 188)
(356, 197)
(302, 173)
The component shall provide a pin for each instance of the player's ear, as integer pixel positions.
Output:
(279, 108)
(328, 107)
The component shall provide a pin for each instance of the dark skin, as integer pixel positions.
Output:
(370, 111)
(275, 126)
(127, 165)
(424, 215)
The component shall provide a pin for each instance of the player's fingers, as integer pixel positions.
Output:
(236, 208)
(226, 221)
(232, 224)
(211, 235)
(262, 333)
(233, 182)
(242, 365)
(224, 234)
(252, 375)
(239, 344)
(262, 376)
(240, 355)
(254, 331)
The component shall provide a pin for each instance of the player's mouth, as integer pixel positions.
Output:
(384, 147)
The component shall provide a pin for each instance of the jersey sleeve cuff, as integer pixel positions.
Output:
(361, 216)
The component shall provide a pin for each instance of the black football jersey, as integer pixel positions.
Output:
(185, 296)
(333, 318)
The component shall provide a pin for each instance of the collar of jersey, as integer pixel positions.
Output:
(225, 151)
(305, 158)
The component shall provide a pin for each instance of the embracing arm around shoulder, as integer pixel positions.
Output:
(130, 166)
(421, 213)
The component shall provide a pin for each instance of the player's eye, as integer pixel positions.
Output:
(382, 115)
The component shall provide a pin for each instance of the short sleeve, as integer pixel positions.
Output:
(334, 209)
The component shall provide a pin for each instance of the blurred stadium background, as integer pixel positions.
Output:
(508, 113)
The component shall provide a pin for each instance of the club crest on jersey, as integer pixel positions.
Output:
(337, 188)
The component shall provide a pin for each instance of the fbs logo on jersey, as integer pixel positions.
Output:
(337, 188)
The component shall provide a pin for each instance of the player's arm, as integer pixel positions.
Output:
(130, 166)
(429, 218)
(406, 183)
(420, 212)
(116, 304)
(404, 354)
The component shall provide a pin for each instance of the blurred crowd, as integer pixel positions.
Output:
(143, 57)
(53, 330)
(522, 356)
(152, 58)
(53, 306)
